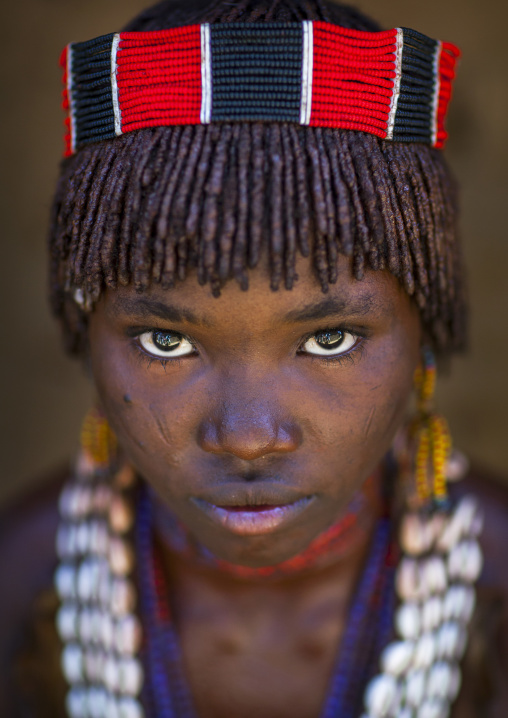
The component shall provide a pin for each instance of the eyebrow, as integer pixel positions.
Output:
(332, 306)
(145, 308)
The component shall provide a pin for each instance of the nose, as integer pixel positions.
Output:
(249, 430)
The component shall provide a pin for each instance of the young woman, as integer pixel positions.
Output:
(253, 245)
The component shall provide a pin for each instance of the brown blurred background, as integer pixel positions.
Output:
(44, 394)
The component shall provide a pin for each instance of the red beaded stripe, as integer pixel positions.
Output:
(159, 77)
(353, 78)
(66, 103)
(447, 63)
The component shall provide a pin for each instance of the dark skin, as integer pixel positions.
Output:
(252, 416)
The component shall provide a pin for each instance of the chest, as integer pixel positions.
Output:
(272, 666)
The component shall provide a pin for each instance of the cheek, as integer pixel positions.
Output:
(358, 415)
(151, 411)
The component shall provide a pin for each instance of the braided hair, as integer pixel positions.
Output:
(149, 205)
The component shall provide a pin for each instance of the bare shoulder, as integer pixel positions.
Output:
(27, 562)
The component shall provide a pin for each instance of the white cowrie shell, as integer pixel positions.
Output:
(82, 537)
(130, 708)
(434, 576)
(451, 641)
(97, 702)
(425, 651)
(130, 676)
(123, 597)
(67, 622)
(86, 581)
(65, 581)
(72, 663)
(432, 708)
(121, 557)
(408, 621)
(415, 534)
(465, 561)
(439, 680)
(121, 514)
(466, 511)
(396, 657)
(459, 603)
(380, 695)
(459, 524)
(432, 611)
(111, 673)
(408, 580)
(112, 710)
(67, 503)
(76, 703)
(414, 688)
(127, 635)
(99, 538)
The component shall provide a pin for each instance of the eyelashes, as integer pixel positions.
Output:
(165, 345)
(329, 342)
(334, 344)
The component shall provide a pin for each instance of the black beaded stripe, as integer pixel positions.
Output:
(256, 71)
(414, 116)
(92, 103)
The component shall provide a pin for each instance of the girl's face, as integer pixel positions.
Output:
(256, 416)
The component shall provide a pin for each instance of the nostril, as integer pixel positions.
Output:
(249, 440)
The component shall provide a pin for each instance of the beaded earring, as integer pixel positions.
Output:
(97, 439)
(431, 439)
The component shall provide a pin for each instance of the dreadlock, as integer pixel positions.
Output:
(149, 205)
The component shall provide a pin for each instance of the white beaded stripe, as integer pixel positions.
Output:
(69, 95)
(206, 75)
(399, 46)
(437, 87)
(307, 68)
(114, 86)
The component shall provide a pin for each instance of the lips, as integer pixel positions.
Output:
(253, 518)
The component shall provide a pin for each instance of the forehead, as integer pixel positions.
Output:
(378, 293)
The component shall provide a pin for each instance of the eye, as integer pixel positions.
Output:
(166, 344)
(330, 342)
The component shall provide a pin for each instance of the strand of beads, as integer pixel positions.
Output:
(367, 628)
(96, 622)
(420, 674)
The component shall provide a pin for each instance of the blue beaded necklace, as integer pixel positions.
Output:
(369, 627)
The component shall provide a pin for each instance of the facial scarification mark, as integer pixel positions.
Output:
(369, 420)
(162, 429)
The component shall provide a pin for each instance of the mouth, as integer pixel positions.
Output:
(253, 519)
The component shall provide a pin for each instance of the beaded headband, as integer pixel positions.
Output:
(394, 84)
